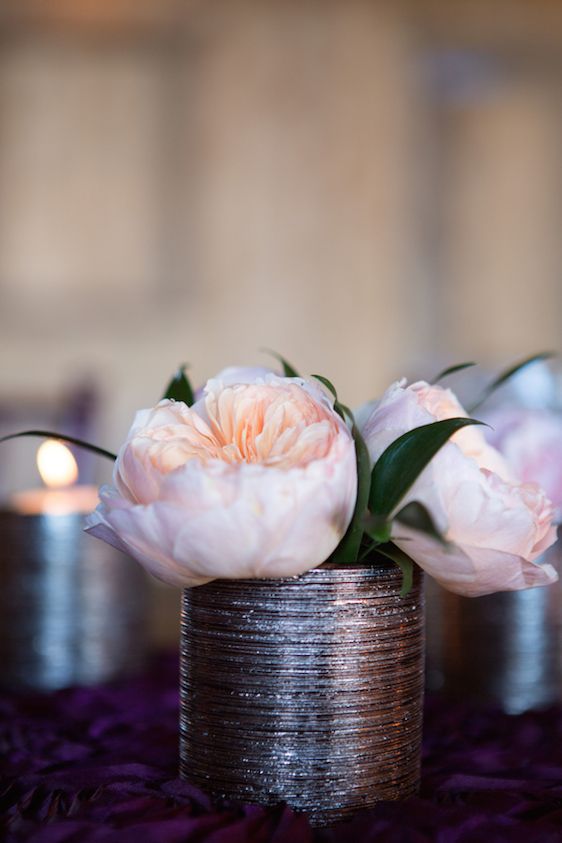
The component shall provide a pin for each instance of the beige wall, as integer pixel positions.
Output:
(502, 257)
(281, 174)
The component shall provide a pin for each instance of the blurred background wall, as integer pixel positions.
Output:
(371, 188)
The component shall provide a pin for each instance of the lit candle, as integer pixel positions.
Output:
(61, 495)
(72, 610)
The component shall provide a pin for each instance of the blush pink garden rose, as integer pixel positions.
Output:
(497, 526)
(530, 440)
(257, 479)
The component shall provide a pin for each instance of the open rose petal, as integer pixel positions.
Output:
(257, 479)
(474, 571)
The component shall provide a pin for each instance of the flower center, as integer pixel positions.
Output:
(249, 423)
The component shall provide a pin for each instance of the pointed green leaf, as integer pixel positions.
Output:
(288, 370)
(451, 370)
(509, 373)
(416, 516)
(405, 564)
(346, 412)
(328, 384)
(340, 409)
(71, 439)
(179, 388)
(347, 551)
(402, 462)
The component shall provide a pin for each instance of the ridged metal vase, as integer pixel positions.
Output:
(502, 649)
(306, 690)
(72, 609)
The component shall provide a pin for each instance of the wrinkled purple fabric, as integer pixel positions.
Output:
(97, 765)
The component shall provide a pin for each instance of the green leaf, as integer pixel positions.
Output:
(71, 439)
(451, 370)
(405, 564)
(288, 370)
(377, 528)
(346, 411)
(366, 550)
(416, 516)
(328, 384)
(179, 388)
(347, 551)
(402, 462)
(508, 373)
(340, 409)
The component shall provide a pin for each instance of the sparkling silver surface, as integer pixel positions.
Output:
(72, 609)
(307, 690)
(503, 648)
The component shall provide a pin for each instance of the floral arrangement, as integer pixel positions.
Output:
(268, 474)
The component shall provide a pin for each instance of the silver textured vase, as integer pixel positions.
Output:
(72, 609)
(502, 649)
(306, 690)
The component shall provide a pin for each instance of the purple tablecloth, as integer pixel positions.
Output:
(100, 765)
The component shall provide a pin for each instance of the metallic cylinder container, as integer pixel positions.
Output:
(307, 690)
(72, 609)
(502, 649)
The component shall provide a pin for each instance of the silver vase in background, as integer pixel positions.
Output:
(73, 610)
(503, 649)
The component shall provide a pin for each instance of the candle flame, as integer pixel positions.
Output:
(56, 464)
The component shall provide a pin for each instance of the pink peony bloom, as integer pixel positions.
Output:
(257, 479)
(531, 443)
(497, 526)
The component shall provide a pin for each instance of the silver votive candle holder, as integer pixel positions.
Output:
(502, 649)
(72, 609)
